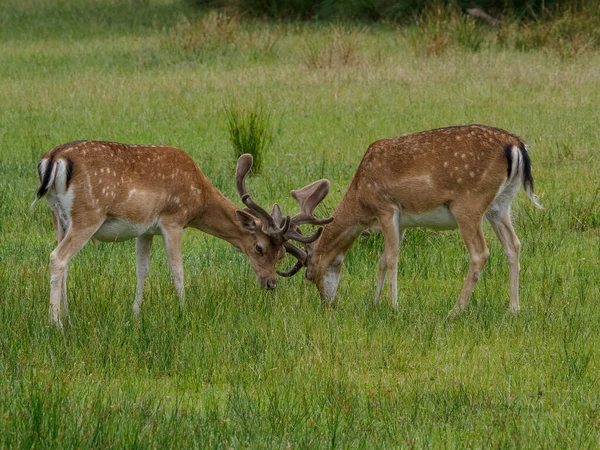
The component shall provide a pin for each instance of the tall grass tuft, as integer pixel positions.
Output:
(442, 26)
(340, 50)
(217, 31)
(250, 131)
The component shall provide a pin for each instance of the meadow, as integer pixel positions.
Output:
(241, 367)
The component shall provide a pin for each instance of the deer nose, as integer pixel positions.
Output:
(271, 283)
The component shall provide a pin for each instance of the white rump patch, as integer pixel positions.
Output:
(509, 188)
(59, 198)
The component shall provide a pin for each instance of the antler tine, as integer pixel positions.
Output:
(300, 219)
(294, 233)
(293, 271)
(298, 254)
(276, 214)
(270, 226)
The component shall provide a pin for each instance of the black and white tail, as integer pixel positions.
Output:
(53, 172)
(519, 164)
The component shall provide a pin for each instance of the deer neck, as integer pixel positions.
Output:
(217, 217)
(350, 219)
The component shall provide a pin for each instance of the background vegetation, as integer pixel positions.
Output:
(242, 367)
(390, 10)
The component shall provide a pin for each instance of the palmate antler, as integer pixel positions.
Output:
(308, 198)
(272, 224)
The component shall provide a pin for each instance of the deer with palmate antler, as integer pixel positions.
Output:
(114, 192)
(442, 179)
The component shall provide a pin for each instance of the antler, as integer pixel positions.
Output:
(299, 255)
(308, 198)
(273, 224)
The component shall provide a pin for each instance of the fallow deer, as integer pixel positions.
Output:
(115, 192)
(441, 179)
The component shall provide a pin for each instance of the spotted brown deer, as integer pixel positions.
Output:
(442, 179)
(114, 192)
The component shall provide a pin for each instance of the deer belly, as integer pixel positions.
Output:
(439, 219)
(118, 230)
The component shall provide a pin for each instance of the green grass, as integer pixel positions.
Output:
(242, 367)
(250, 132)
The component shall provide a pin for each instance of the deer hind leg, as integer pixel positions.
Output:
(143, 246)
(503, 227)
(388, 263)
(75, 238)
(60, 230)
(172, 238)
(472, 234)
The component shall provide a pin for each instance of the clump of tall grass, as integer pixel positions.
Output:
(567, 32)
(442, 26)
(216, 31)
(222, 32)
(340, 49)
(250, 131)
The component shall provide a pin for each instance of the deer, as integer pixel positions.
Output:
(114, 192)
(441, 179)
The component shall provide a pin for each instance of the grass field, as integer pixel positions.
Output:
(241, 367)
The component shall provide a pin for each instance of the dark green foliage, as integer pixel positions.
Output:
(375, 10)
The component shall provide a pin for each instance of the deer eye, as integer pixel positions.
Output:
(259, 249)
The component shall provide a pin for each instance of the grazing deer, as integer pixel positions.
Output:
(114, 192)
(442, 179)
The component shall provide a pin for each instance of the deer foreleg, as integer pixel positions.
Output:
(172, 237)
(143, 246)
(388, 264)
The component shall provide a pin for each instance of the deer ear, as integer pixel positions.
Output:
(246, 221)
